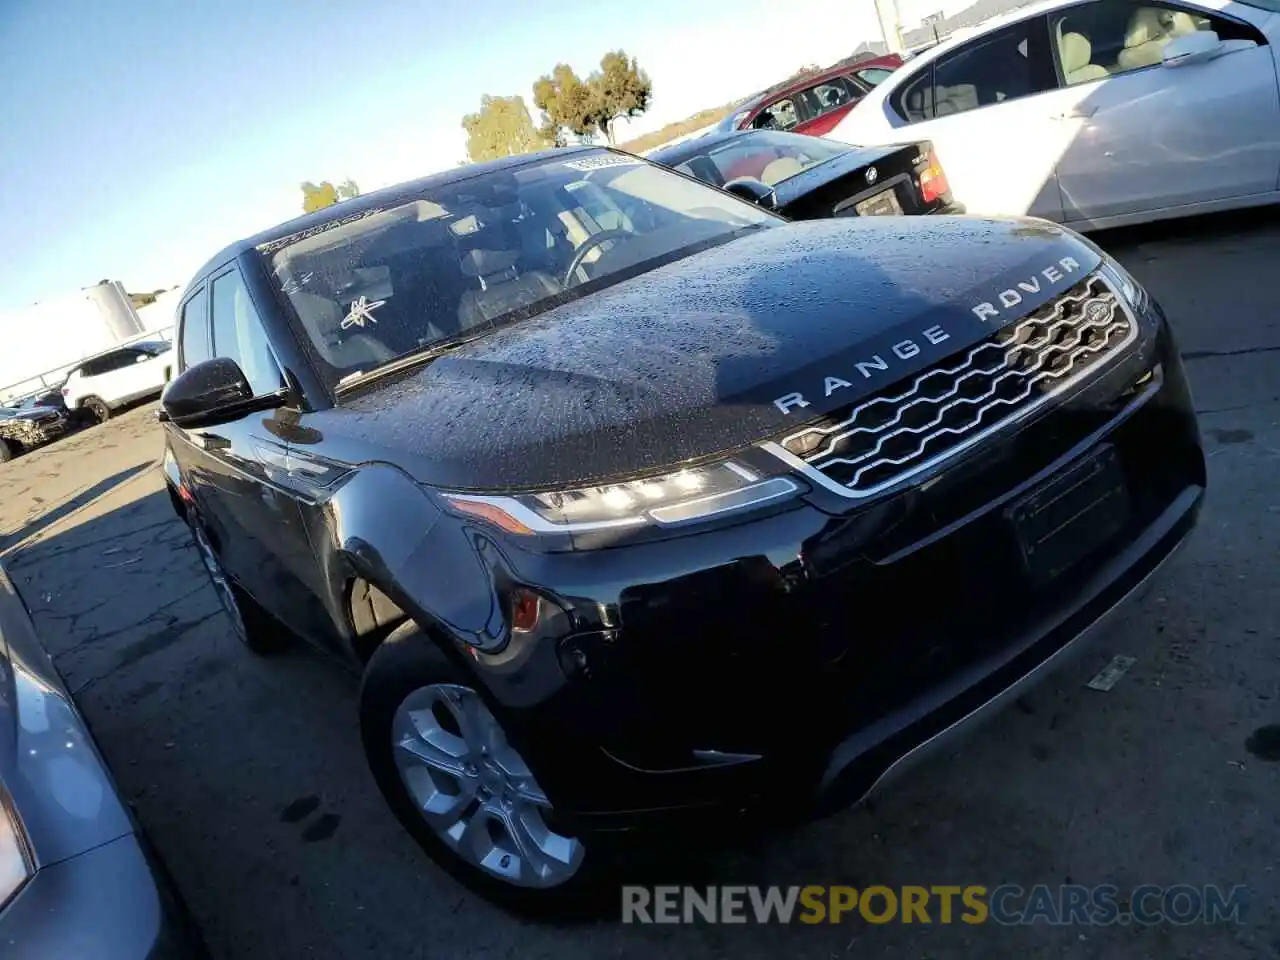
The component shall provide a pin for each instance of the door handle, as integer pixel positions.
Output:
(1076, 113)
(211, 441)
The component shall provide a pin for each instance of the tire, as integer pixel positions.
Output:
(410, 668)
(8, 449)
(252, 626)
(96, 410)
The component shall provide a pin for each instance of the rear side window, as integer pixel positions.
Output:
(914, 102)
(829, 95)
(777, 116)
(195, 333)
(873, 75)
(238, 334)
(1006, 65)
(116, 360)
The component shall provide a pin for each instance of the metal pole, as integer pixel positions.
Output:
(890, 27)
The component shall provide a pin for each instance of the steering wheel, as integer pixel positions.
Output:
(591, 243)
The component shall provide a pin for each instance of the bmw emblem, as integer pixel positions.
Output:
(872, 175)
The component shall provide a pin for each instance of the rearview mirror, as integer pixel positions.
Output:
(756, 191)
(1191, 48)
(211, 392)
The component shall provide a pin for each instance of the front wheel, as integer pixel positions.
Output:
(446, 768)
(8, 449)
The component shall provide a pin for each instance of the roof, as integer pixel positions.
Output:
(378, 199)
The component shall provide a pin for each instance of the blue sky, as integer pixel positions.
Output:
(140, 136)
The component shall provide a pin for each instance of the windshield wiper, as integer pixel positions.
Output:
(405, 361)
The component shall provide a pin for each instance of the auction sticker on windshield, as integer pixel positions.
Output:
(595, 163)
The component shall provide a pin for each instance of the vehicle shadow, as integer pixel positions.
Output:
(48, 518)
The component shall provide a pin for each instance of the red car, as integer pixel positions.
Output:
(812, 104)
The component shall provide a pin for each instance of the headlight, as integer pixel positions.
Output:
(671, 499)
(1133, 293)
(15, 868)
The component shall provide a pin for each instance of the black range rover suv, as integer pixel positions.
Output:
(642, 508)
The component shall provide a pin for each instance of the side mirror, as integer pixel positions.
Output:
(1191, 48)
(756, 191)
(211, 392)
(142, 358)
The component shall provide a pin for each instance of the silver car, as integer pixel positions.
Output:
(76, 877)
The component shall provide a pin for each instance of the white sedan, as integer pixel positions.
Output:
(1096, 114)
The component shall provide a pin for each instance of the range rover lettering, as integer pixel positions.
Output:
(623, 493)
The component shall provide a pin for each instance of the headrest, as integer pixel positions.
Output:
(1144, 27)
(780, 169)
(1180, 24)
(485, 263)
(1076, 51)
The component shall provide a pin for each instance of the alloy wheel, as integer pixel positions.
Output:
(475, 791)
(221, 584)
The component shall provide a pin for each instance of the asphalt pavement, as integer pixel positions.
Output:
(248, 774)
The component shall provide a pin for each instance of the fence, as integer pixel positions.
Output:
(53, 379)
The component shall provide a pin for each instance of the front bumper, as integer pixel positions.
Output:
(783, 667)
(105, 903)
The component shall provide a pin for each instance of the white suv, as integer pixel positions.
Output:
(102, 385)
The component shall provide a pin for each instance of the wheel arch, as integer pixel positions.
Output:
(372, 616)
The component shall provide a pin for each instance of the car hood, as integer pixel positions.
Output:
(697, 357)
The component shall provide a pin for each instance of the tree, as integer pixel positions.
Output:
(325, 194)
(619, 89)
(568, 105)
(501, 128)
(318, 196)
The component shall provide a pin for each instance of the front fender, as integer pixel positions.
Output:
(380, 525)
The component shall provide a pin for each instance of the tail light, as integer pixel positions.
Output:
(933, 181)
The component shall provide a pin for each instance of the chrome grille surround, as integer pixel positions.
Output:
(880, 442)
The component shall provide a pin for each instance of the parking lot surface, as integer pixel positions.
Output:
(248, 774)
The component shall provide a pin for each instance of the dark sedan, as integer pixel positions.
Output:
(808, 178)
(76, 877)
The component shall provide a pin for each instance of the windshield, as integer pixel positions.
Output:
(767, 156)
(489, 249)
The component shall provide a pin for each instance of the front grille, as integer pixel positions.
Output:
(877, 443)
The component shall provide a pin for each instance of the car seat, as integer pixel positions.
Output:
(322, 319)
(1179, 23)
(502, 288)
(955, 99)
(1076, 51)
(1144, 40)
(780, 169)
